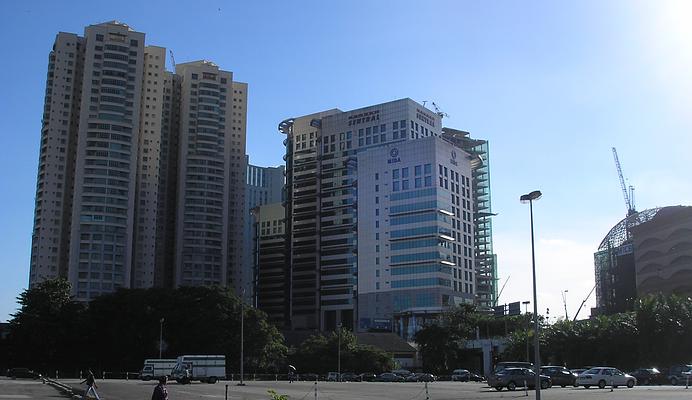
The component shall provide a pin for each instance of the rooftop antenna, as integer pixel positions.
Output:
(439, 112)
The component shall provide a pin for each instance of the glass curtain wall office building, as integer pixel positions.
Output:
(485, 258)
(330, 218)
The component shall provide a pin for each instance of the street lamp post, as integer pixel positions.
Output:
(160, 337)
(528, 322)
(338, 358)
(530, 197)
(242, 335)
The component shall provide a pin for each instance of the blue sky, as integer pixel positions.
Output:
(552, 85)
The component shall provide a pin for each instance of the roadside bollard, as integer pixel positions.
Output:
(526, 389)
(276, 377)
(687, 381)
(226, 391)
(427, 395)
(127, 376)
(612, 385)
(80, 374)
(254, 377)
(103, 375)
(315, 389)
(56, 374)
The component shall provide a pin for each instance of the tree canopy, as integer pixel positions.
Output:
(116, 332)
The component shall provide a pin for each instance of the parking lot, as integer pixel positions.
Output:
(255, 390)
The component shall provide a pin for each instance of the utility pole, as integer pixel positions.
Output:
(160, 337)
(564, 302)
(528, 321)
(338, 365)
(242, 335)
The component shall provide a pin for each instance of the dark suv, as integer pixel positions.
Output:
(560, 375)
(679, 373)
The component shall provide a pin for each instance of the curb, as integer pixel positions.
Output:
(64, 389)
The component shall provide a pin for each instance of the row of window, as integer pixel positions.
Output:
(409, 283)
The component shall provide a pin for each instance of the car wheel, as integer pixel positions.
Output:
(587, 386)
(674, 381)
(545, 385)
(212, 379)
(511, 386)
(563, 385)
(630, 384)
(601, 384)
(498, 388)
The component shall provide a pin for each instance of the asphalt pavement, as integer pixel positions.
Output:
(256, 390)
(27, 389)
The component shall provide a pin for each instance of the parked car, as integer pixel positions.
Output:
(350, 377)
(649, 376)
(461, 375)
(511, 378)
(15, 373)
(402, 372)
(421, 377)
(368, 377)
(389, 377)
(333, 376)
(309, 376)
(501, 366)
(560, 375)
(678, 374)
(603, 376)
(475, 378)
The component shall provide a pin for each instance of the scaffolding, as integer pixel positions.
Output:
(614, 265)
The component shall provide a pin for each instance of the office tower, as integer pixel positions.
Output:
(264, 185)
(53, 208)
(339, 219)
(485, 258)
(271, 272)
(415, 234)
(114, 156)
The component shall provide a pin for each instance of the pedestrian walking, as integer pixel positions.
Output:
(291, 373)
(160, 391)
(91, 386)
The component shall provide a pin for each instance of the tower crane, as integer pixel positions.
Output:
(628, 192)
(172, 59)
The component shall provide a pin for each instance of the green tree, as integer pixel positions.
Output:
(319, 353)
(45, 333)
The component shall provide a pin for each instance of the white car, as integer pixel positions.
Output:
(605, 376)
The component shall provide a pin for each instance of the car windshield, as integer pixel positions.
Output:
(593, 371)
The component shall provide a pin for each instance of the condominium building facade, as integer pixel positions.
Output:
(117, 149)
(338, 219)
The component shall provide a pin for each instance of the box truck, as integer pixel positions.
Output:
(203, 368)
